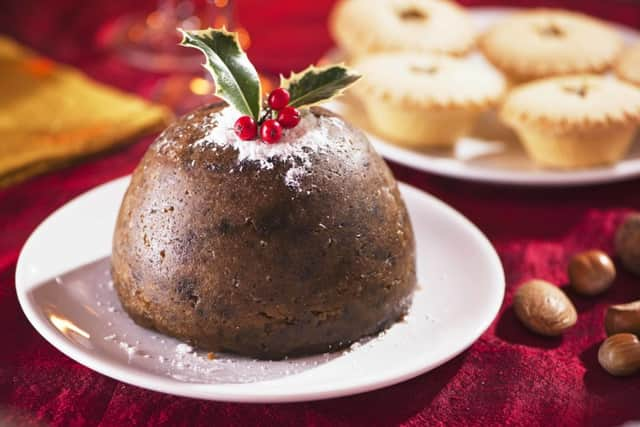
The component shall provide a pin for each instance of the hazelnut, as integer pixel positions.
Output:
(544, 308)
(619, 354)
(591, 272)
(627, 243)
(623, 318)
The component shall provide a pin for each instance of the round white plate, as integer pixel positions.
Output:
(64, 287)
(492, 154)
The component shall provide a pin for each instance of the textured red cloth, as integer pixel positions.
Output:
(508, 376)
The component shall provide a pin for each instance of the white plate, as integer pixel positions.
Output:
(64, 288)
(493, 153)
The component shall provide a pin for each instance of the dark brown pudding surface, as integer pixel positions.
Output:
(294, 256)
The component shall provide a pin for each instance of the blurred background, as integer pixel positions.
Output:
(280, 35)
(132, 46)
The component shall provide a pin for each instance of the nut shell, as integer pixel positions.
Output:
(619, 354)
(623, 318)
(544, 308)
(627, 243)
(591, 272)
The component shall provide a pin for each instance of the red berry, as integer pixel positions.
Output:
(246, 128)
(271, 131)
(289, 117)
(278, 98)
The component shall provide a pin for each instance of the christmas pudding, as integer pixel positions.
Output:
(264, 230)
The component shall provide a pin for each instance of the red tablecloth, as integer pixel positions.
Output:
(508, 376)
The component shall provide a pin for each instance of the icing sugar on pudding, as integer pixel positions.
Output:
(264, 248)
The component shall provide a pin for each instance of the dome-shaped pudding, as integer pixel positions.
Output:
(263, 250)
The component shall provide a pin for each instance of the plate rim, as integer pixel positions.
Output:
(549, 178)
(236, 392)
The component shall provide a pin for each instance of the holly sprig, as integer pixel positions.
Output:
(235, 77)
(318, 84)
(237, 82)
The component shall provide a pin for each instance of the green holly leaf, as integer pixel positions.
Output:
(315, 85)
(235, 77)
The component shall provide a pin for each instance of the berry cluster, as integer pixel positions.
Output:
(270, 128)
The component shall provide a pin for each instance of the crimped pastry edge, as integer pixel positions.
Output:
(528, 70)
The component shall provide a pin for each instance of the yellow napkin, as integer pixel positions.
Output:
(52, 115)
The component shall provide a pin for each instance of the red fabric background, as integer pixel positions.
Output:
(509, 376)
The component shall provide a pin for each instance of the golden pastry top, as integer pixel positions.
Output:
(580, 102)
(546, 42)
(628, 66)
(361, 26)
(429, 80)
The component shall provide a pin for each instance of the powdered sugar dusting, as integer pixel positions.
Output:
(314, 134)
(183, 348)
(293, 175)
(116, 339)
